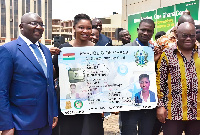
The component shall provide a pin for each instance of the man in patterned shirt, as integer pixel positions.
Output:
(178, 83)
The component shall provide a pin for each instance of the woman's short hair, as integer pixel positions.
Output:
(79, 17)
(143, 76)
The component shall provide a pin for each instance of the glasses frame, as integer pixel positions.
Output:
(185, 36)
(197, 32)
(35, 24)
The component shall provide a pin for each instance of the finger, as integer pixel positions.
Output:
(54, 123)
(160, 47)
(162, 119)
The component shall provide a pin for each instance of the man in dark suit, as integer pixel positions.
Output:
(27, 94)
(103, 40)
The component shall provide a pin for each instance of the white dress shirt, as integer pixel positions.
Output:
(28, 42)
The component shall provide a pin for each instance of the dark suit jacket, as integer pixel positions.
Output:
(104, 41)
(27, 96)
(139, 100)
(134, 43)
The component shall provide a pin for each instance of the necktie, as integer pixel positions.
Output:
(40, 59)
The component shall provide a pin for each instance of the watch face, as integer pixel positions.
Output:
(76, 75)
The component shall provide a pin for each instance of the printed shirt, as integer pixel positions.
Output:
(178, 84)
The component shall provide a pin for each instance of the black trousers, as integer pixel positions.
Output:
(86, 124)
(81, 124)
(144, 118)
(176, 127)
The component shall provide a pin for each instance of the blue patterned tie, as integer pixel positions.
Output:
(40, 59)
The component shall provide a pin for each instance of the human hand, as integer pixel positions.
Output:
(157, 53)
(161, 114)
(8, 132)
(116, 113)
(55, 121)
(55, 50)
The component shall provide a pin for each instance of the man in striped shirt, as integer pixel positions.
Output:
(178, 83)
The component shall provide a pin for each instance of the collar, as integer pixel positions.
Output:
(141, 44)
(28, 42)
(175, 48)
(148, 99)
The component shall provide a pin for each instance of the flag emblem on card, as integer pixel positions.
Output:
(69, 56)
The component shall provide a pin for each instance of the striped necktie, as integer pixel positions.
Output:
(40, 58)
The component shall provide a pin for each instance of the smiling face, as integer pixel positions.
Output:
(98, 24)
(144, 84)
(94, 36)
(29, 30)
(186, 35)
(145, 32)
(73, 89)
(83, 29)
(125, 37)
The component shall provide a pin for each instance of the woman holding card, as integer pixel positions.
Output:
(80, 124)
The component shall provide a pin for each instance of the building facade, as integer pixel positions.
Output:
(109, 26)
(11, 12)
(65, 28)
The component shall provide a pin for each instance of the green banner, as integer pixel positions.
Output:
(133, 23)
(165, 18)
(192, 6)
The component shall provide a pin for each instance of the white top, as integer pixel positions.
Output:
(148, 99)
(28, 42)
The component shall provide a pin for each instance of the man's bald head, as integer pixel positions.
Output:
(185, 18)
(97, 23)
(31, 26)
(186, 27)
(124, 36)
(26, 17)
(121, 33)
(96, 20)
(186, 35)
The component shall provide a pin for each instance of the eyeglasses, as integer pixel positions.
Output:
(35, 24)
(188, 35)
(197, 32)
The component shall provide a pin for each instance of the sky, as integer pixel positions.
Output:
(67, 9)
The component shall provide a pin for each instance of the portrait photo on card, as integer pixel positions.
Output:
(144, 88)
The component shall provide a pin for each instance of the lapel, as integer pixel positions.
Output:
(102, 40)
(46, 53)
(23, 47)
